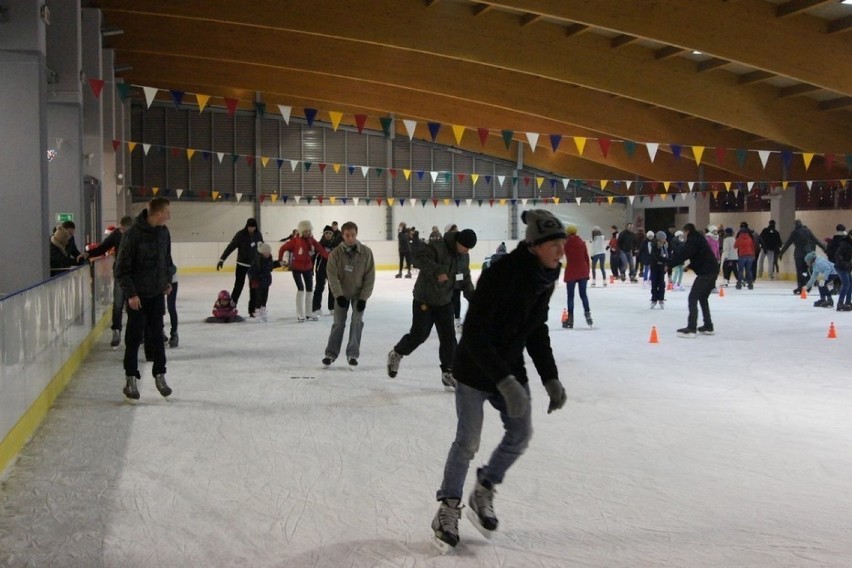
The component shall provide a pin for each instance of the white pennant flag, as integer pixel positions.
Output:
(410, 125)
(412, 202)
(179, 192)
(434, 176)
(355, 200)
(500, 180)
(691, 185)
(298, 198)
(749, 185)
(220, 156)
(239, 197)
(150, 94)
(118, 188)
(145, 148)
(631, 198)
(532, 138)
(524, 202)
(652, 150)
(365, 170)
(565, 182)
(468, 201)
(684, 196)
(578, 200)
(293, 164)
(629, 184)
(736, 193)
(764, 156)
(809, 183)
(285, 112)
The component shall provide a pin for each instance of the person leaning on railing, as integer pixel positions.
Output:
(60, 259)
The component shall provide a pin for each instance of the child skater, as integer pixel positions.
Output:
(303, 248)
(677, 271)
(822, 270)
(260, 278)
(659, 260)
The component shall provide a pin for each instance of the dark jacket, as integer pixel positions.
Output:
(60, 260)
(437, 258)
(113, 240)
(831, 249)
(143, 266)
(770, 239)
(626, 241)
(645, 249)
(403, 239)
(261, 270)
(843, 254)
(246, 245)
(804, 241)
(507, 314)
(660, 255)
(701, 259)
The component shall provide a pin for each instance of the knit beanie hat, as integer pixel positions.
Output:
(466, 238)
(661, 236)
(252, 222)
(264, 248)
(840, 228)
(305, 226)
(809, 258)
(61, 236)
(571, 229)
(542, 226)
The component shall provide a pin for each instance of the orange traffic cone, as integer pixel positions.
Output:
(564, 315)
(804, 294)
(653, 338)
(721, 292)
(611, 279)
(832, 333)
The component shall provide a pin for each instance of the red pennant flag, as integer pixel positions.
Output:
(250, 160)
(829, 161)
(232, 106)
(604, 144)
(322, 167)
(202, 194)
(654, 186)
(435, 203)
(393, 172)
(491, 202)
(483, 135)
(379, 202)
(652, 198)
(461, 178)
(97, 85)
(526, 180)
(115, 145)
(262, 197)
(320, 198)
(360, 120)
(175, 152)
(720, 155)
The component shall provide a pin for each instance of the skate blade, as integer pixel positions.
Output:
(449, 388)
(443, 547)
(474, 519)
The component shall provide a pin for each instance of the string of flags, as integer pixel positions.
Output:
(532, 138)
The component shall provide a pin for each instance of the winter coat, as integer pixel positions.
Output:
(804, 240)
(60, 260)
(302, 253)
(435, 236)
(821, 269)
(143, 266)
(320, 261)
(351, 272)
(112, 241)
(245, 244)
(831, 249)
(645, 251)
(438, 258)
(626, 241)
(843, 254)
(713, 242)
(260, 271)
(577, 263)
(701, 259)
(598, 245)
(660, 255)
(729, 251)
(403, 239)
(770, 239)
(675, 247)
(613, 244)
(744, 244)
(507, 314)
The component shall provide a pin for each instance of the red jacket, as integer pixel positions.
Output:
(301, 259)
(744, 244)
(576, 259)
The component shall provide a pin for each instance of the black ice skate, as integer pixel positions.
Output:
(393, 363)
(174, 340)
(686, 332)
(569, 322)
(445, 525)
(160, 383)
(706, 329)
(116, 338)
(130, 389)
(588, 318)
(481, 507)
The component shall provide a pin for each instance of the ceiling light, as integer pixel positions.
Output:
(107, 32)
(122, 69)
(696, 52)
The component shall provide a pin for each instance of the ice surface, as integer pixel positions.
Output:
(723, 451)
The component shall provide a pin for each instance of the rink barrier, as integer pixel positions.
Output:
(46, 332)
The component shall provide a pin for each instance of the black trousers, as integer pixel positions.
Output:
(239, 283)
(407, 258)
(422, 320)
(457, 302)
(261, 295)
(171, 301)
(147, 323)
(319, 289)
(698, 295)
(801, 270)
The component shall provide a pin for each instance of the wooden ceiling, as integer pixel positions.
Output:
(738, 74)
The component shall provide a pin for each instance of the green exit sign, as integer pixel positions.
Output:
(62, 217)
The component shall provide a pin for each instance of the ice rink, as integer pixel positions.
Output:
(733, 450)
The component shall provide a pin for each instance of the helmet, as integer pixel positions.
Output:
(650, 234)
(224, 296)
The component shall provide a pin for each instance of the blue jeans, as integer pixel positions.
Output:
(598, 259)
(581, 286)
(469, 410)
(746, 269)
(845, 286)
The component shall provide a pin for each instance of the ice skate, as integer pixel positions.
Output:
(706, 329)
(750, 286)
(393, 363)
(686, 332)
(662, 304)
(264, 316)
(160, 383)
(569, 322)
(408, 275)
(480, 510)
(130, 389)
(588, 318)
(458, 325)
(653, 304)
(445, 525)
(116, 338)
(316, 314)
(398, 275)
(594, 283)
(174, 340)
(328, 360)
(448, 380)
(353, 362)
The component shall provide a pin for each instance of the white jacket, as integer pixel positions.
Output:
(598, 245)
(728, 250)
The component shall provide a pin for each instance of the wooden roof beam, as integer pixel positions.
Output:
(481, 8)
(836, 104)
(710, 64)
(840, 25)
(754, 77)
(529, 18)
(797, 90)
(794, 7)
(622, 40)
(575, 29)
(668, 52)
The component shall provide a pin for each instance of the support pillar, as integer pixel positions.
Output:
(699, 211)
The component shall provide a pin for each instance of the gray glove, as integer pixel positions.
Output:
(516, 397)
(557, 395)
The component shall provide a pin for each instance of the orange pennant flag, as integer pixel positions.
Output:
(189, 153)
(458, 132)
(131, 146)
(202, 101)
(580, 142)
(264, 160)
(155, 190)
(335, 119)
(215, 195)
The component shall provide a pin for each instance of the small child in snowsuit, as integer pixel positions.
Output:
(225, 309)
(260, 279)
(822, 270)
(659, 263)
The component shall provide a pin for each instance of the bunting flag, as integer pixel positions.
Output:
(145, 148)
(532, 139)
(578, 200)
(507, 137)
(201, 101)
(215, 195)
(97, 86)
(764, 157)
(179, 192)
(458, 132)
(629, 148)
(474, 178)
(297, 198)
(293, 164)
(609, 199)
(435, 203)
(274, 197)
(720, 154)
(565, 182)
(239, 196)
(310, 115)
(220, 156)
(603, 183)
(190, 153)
(364, 170)
(336, 168)
(829, 161)
(666, 186)
(406, 173)
(332, 199)
(500, 180)
(279, 162)
(580, 143)
(787, 159)
(807, 157)
(652, 150)
(335, 119)
(231, 104)
(604, 144)
(555, 141)
(355, 200)
(434, 127)
(468, 201)
(123, 91)
(697, 152)
(538, 181)
(322, 167)
(155, 191)
(260, 109)
(630, 198)
(410, 125)
(728, 185)
(387, 124)
(491, 203)
(483, 135)
(285, 113)
(556, 200)
(749, 185)
(307, 166)
(264, 160)
(131, 146)
(177, 98)
(784, 185)
(434, 176)
(150, 95)
(741, 155)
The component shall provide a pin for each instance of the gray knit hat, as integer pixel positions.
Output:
(542, 226)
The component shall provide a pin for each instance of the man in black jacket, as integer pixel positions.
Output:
(113, 241)
(507, 315)
(144, 269)
(245, 243)
(770, 244)
(804, 240)
(703, 262)
(626, 246)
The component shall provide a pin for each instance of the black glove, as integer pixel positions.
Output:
(360, 305)
(557, 395)
(219, 265)
(516, 397)
(343, 302)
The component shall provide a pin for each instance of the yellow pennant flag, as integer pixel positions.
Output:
(264, 160)
(474, 177)
(603, 183)
(332, 199)
(458, 132)
(502, 202)
(155, 190)
(274, 197)
(131, 146)
(666, 185)
(580, 142)
(556, 200)
(784, 185)
(215, 195)
(806, 156)
(202, 101)
(189, 153)
(697, 152)
(610, 198)
(335, 119)
(406, 173)
(538, 181)
(446, 201)
(663, 196)
(728, 185)
(390, 201)
(336, 168)
(715, 194)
